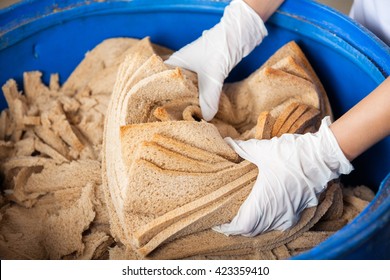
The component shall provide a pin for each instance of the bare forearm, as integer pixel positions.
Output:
(365, 124)
(264, 8)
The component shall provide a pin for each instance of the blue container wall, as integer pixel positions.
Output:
(53, 37)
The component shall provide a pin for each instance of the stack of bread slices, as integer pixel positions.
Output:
(117, 162)
(170, 176)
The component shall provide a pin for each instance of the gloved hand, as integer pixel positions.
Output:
(218, 50)
(293, 170)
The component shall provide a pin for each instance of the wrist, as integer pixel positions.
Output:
(264, 8)
(330, 150)
(243, 29)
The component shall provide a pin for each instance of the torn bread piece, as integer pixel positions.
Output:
(49, 151)
(102, 56)
(52, 139)
(34, 89)
(17, 108)
(4, 120)
(6, 149)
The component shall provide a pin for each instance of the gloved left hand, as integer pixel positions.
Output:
(293, 170)
(218, 50)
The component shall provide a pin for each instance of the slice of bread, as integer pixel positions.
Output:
(309, 118)
(294, 51)
(216, 208)
(300, 110)
(285, 115)
(208, 241)
(114, 175)
(171, 160)
(265, 123)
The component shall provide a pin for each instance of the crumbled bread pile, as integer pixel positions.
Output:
(167, 177)
(50, 138)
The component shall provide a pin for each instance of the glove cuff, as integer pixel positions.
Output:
(249, 27)
(331, 151)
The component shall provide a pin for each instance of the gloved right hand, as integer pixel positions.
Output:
(293, 170)
(218, 50)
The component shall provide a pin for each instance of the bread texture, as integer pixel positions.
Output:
(170, 175)
(50, 149)
(118, 163)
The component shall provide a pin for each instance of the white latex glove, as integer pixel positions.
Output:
(293, 170)
(213, 55)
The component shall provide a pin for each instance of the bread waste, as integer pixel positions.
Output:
(171, 176)
(117, 162)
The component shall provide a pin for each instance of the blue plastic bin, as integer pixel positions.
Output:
(52, 36)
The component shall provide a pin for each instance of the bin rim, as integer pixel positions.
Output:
(21, 14)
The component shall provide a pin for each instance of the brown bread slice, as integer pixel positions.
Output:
(147, 93)
(208, 241)
(263, 92)
(331, 225)
(144, 234)
(281, 252)
(302, 108)
(113, 170)
(143, 147)
(293, 50)
(49, 151)
(308, 119)
(356, 202)
(308, 240)
(57, 177)
(134, 73)
(52, 139)
(290, 65)
(362, 192)
(17, 108)
(220, 211)
(192, 113)
(245, 100)
(263, 129)
(201, 135)
(171, 160)
(172, 189)
(335, 212)
(283, 117)
(190, 151)
(225, 129)
(101, 57)
(3, 124)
